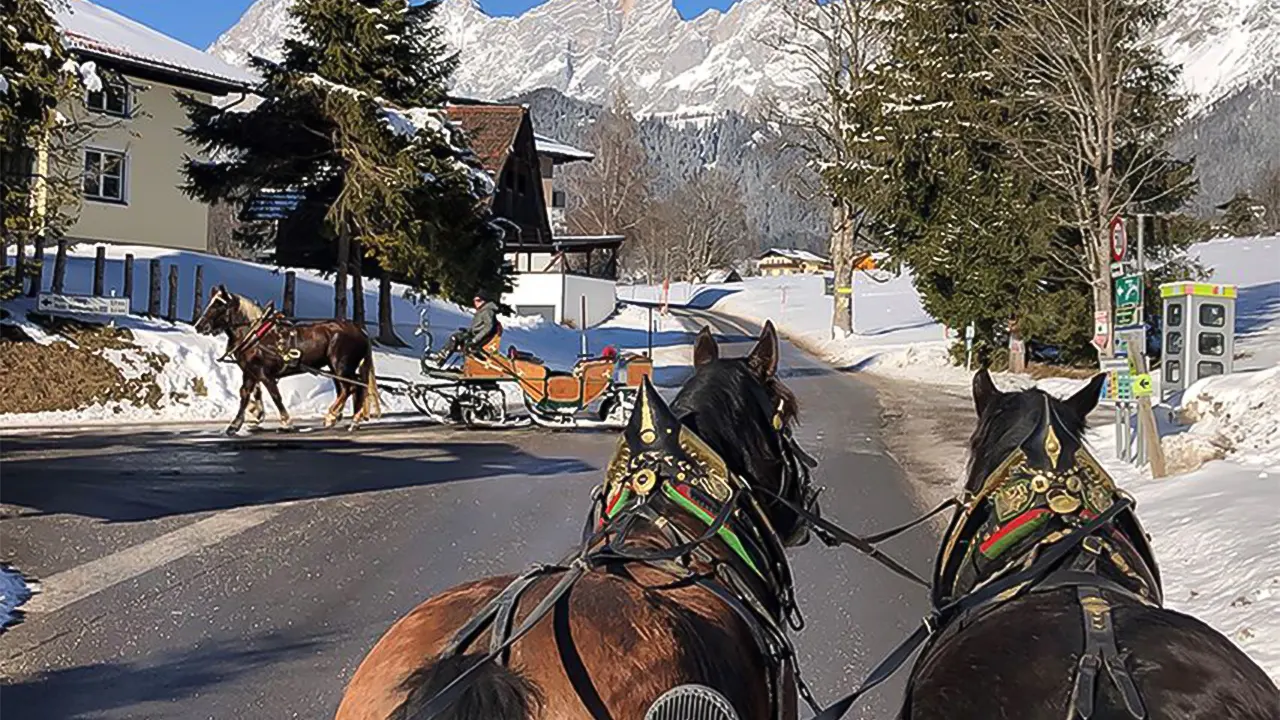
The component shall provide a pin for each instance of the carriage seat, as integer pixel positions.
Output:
(515, 354)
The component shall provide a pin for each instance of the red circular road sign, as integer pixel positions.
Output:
(1119, 238)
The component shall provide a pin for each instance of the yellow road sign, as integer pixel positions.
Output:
(1142, 385)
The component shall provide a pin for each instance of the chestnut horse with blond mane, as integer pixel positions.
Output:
(267, 349)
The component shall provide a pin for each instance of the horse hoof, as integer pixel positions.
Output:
(232, 429)
(286, 428)
(329, 422)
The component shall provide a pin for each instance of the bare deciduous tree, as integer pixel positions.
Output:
(1095, 118)
(835, 45)
(711, 229)
(611, 193)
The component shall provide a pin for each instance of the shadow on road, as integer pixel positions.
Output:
(147, 477)
(90, 690)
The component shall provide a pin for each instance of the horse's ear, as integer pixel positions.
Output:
(763, 358)
(984, 391)
(1086, 398)
(652, 424)
(705, 349)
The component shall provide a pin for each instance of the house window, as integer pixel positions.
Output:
(104, 175)
(557, 198)
(112, 99)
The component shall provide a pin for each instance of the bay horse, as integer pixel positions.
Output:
(339, 346)
(682, 577)
(1087, 638)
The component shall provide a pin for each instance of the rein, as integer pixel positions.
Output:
(1004, 588)
(594, 553)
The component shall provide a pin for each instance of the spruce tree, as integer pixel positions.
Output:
(971, 227)
(352, 119)
(40, 161)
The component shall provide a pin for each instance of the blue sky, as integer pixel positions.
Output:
(200, 22)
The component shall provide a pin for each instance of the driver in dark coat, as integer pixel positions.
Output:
(470, 339)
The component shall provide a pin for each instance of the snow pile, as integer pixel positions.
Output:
(14, 591)
(1235, 416)
(1215, 535)
(195, 386)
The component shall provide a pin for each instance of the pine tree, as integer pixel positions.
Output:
(971, 227)
(40, 164)
(352, 119)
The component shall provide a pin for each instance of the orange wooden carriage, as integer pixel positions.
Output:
(474, 395)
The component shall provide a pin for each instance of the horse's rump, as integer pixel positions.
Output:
(1025, 652)
(611, 647)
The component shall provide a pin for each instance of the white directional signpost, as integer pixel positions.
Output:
(89, 304)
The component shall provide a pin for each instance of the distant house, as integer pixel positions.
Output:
(552, 154)
(789, 261)
(721, 276)
(562, 278)
(132, 165)
(502, 138)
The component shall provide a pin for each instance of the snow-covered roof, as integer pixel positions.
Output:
(92, 30)
(560, 151)
(794, 254)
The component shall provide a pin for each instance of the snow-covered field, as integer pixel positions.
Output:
(1213, 525)
(194, 357)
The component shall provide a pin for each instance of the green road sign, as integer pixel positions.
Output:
(1128, 317)
(1142, 386)
(1128, 291)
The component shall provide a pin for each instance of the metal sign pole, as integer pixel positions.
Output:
(582, 325)
(649, 353)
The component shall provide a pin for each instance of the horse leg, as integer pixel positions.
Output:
(286, 423)
(256, 413)
(335, 410)
(247, 387)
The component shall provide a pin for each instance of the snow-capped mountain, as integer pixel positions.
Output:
(667, 65)
(1221, 45)
(721, 61)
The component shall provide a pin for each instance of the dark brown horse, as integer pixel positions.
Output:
(1087, 637)
(267, 349)
(681, 578)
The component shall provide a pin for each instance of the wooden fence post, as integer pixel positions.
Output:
(99, 270)
(172, 315)
(153, 291)
(198, 298)
(37, 266)
(290, 293)
(128, 279)
(60, 266)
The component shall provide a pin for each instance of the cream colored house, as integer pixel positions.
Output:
(789, 261)
(132, 165)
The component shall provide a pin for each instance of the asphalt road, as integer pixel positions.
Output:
(188, 575)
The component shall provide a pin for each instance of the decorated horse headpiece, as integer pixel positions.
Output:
(1047, 488)
(658, 457)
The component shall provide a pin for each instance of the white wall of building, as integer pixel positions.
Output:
(534, 293)
(601, 296)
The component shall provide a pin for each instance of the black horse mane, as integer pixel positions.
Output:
(726, 404)
(1010, 419)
